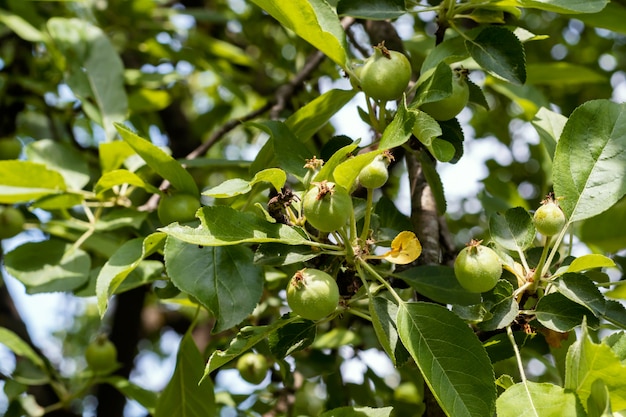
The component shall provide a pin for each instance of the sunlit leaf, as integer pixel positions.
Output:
(18, 346)
(236, 186)
(371, 9)
(314, 21)
(532, 399)
(122, 263)
(23, 181)
(588, 361)
(163, 164)
(223, 279)
(185, 395)
(94, 70)
(588, 164)
(222, 225)
(57, 266)
(451, 358)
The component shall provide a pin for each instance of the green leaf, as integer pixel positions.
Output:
(328, 169)
(23, 181)
(113, 154)
(118, 177)
(59, 201)
(434, 87)
(607, 230)
(439, 284)
(145, 100)
(247, 338)
(122, 263)
(562, 74)
(283, 149)
(384, 312)
(236, 186)
(222, 279)
(146, 398)
(391, 221)
(449, 51)
(94, 70)
(163, 164)
(315, 114)
(121, 218)
(222, 225)
(184, 395)
(586, 362)
(499, 347)
(498, 51)
(21, 27)
(400, 129)
(429, 170)
(358, 412)
(293, 336)
(346, 173)
(549, 125)
(451, 358)
(587, 170)
(565, 6)
(371, 9)
(314, 21)
(590, 261)
(533, 399)
(57, 266)
(615, 313)
(612, 17)
(502, 306)
(581, 290)
(277, 254)
(18, 346)
(62, 158)
(599, 401)
(559, 313)
(513, 230)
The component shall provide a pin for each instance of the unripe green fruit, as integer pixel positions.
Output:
(449, 107)
(549, 219)
(11, 222)
(312, 294)
(10, 148)
(375, 174)
(477, 268)
(178, 208)
(385, 75)
(101, 354)
(252, 367)
(327, 206)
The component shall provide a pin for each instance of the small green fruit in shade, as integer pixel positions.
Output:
(327, 206)
(477, 267)
(101, 354)
(312, 294)
(386, 74)
(449, 107)
(10, 148)
(252, 367)
(11, 222)
(375, 174)
(178, 208)
(549, 218)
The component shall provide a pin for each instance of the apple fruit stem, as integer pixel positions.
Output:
(368, 215)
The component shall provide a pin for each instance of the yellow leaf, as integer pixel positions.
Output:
(405, 248)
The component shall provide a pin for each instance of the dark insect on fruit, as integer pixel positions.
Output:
(277, 206)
